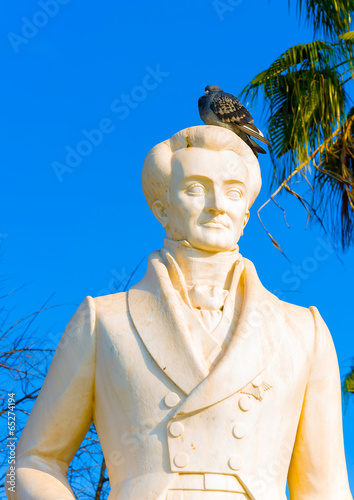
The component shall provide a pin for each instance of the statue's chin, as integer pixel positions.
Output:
(214, 239)
(212, 247)
(209, 240)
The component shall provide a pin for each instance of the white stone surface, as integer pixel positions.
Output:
(201, 383)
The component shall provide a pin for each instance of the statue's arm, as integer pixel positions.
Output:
(61, 415)
(318, 469)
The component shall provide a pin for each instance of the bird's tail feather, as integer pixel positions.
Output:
(252, 130)
(256, 147)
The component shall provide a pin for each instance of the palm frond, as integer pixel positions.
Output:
(349, 36)
(328, 17)
(310, 55)
(304, 103)
(348, 386)
(334, 184)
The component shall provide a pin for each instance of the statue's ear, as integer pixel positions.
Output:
(245, 220)
(247, 216)
(159, 210)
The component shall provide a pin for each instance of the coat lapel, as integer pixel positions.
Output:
(164, 328)
(255, 342)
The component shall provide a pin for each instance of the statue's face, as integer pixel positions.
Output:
(208, 199)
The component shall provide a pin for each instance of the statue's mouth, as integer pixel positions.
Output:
(216, 223)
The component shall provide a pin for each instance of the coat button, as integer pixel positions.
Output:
(245, 403)
(257, 381)
(172, 399)
(176, 429)
(239, 431)
(181, 460)
(235, 463)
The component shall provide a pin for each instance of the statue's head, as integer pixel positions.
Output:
(200, 185)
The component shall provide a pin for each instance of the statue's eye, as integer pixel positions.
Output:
(196, 190)
(234, 194)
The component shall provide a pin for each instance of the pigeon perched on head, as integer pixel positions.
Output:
(216, 107)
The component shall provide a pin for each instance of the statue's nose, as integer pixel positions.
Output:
(215, 203)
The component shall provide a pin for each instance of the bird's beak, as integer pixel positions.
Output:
(206, 92)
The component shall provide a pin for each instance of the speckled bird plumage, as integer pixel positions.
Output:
(217, 107)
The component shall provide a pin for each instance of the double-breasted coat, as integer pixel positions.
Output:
(270, 410)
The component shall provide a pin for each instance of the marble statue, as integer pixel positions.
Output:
(201, 383)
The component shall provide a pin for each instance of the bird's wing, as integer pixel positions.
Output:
(229, 109)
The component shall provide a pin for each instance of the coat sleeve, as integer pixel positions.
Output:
(61, 415)
(318, 469)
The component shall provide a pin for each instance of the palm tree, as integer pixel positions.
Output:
(311, 123)
(348, 385)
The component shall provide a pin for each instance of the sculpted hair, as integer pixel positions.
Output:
(158, 162)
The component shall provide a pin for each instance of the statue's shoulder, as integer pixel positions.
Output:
(299, 318)
(112, 304)
(298, 315)
(301, 325)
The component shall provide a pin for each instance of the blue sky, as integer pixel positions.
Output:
(126, 76)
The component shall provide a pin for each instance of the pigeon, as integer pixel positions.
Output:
(216, 107)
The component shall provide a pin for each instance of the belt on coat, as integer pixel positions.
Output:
(190, 487)
(205, 495)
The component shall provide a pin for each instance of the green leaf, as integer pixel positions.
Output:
(347, 36)
(305, 108)
(334, 184)
(328, 17)
(304, 102)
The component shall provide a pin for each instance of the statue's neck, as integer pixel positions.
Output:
(203, 267)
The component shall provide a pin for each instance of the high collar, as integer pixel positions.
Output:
(156, 314)
(202, 267)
